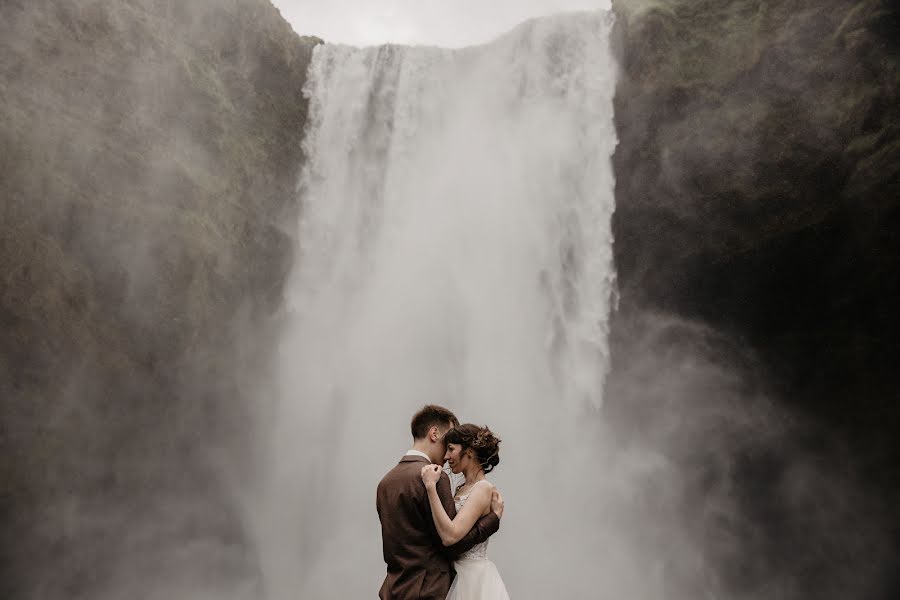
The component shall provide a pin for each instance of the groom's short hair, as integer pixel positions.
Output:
(428, 417)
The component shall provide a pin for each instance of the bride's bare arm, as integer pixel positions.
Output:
(484, 527)
(453, 530)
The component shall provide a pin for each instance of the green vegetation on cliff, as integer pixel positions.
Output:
(758, 187)
(150, 154)
(758, 179)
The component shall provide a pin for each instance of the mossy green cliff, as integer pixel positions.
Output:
(150, 151)
(757, 193)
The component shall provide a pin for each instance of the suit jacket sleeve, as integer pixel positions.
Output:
(483, 528)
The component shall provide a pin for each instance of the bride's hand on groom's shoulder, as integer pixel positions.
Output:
(431, 474)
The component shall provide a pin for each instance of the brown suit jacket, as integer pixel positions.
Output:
(419, 567)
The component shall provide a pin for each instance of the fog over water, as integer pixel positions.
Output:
(455, 248)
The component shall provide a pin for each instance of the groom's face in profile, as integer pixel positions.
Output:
(439, 446)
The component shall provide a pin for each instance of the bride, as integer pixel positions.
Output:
(473, 451)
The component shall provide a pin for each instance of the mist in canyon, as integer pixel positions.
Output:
(454, 246)
(236, 261)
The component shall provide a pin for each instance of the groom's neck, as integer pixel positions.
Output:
(421, 446)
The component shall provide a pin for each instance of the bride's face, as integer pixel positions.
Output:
(454, 457)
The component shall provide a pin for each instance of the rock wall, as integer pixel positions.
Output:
(150, 153)
(757, 227)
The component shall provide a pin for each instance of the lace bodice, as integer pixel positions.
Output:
(478, 551)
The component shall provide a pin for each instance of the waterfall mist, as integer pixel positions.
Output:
(454, 248)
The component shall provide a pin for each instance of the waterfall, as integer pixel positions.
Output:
(454, 247)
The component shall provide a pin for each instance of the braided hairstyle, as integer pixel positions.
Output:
(484, 444)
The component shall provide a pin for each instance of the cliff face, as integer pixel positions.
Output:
(759, 149)
(150, 154)
(758, 185)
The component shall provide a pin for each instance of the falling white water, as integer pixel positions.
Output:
(454, 248)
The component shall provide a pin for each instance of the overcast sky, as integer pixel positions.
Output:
(450, 23)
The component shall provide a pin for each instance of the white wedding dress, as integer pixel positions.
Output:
(477, 577)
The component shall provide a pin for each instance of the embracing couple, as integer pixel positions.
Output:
(435, 541)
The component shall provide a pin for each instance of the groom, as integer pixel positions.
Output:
(419, 567)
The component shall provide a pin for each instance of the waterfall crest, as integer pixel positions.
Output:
(454, 248)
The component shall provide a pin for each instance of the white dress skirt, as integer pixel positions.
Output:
(477, 577)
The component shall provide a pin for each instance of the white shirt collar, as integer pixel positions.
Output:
(418, 453)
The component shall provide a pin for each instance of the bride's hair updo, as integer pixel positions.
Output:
(482, 441)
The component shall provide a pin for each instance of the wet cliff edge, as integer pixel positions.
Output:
(150, 153)
(757, 231)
